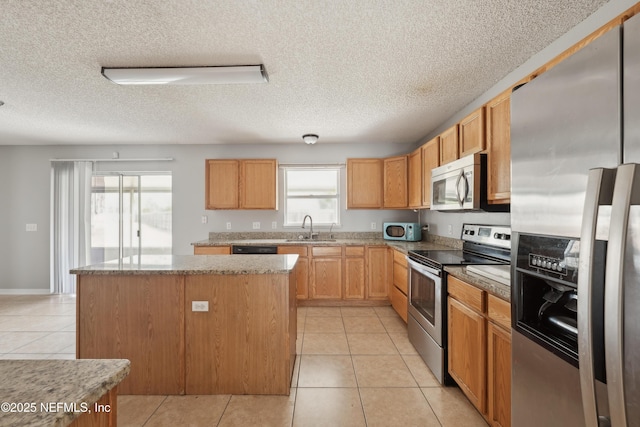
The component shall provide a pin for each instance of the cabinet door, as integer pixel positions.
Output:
(221, 184)
(212, 250)
(472, 133)
(449, 145)
(499, 149)
(395, 182)
(326, 278)
(430, 160)
(415, 178)
(302, 268)
(499, 375)
(467, 352)
(354, 277)
(364, 183)
(258, 184)
(379, 265)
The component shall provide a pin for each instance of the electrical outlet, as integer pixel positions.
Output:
(228, 226)
(32, 227)
(256, 225)
(199, 305)
(373, 225)
(450, 229)
(274, 224)
(205, 219)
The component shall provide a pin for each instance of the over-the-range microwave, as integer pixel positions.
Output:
(408, 231)
(462, 185)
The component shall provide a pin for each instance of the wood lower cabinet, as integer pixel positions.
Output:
(430, 160)
(480, 349)
(212, 250)
(241, 184)
(326, 272)
(395, 183)
(472, 134)
(302, 269)
(379, 265)
(400, 287)
(364, 183)
(449, 145)
(354, 272)
(415, 182)
(499, 149)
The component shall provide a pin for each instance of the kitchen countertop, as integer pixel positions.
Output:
(496, 288)
(194, 264)
(26, 384)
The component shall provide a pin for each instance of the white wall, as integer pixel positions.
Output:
(25, 194)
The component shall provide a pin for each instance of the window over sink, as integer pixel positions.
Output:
(311, 191)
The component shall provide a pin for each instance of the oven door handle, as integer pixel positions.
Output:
(423, 268)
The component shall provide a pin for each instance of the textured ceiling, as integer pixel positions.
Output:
(351, 71)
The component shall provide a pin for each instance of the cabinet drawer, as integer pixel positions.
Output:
(399, 303)
(468, 294)
(354, 250)
(400, 258)
(400, 277)
(297, 250)
(211, 250)
(327, 251)
(499, 311)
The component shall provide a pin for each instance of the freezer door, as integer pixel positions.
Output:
(563, 123)
(631, 86)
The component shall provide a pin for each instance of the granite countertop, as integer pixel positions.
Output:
(34, 391)
(496, 288)
(194, 264)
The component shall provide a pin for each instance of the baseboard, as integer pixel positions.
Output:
(25, 291)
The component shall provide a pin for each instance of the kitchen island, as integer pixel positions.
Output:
(189, 324)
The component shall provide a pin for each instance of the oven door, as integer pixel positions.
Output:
(425, 299)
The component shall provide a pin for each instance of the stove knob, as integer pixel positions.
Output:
(554, 266)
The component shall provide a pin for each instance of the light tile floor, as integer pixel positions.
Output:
(355, 367)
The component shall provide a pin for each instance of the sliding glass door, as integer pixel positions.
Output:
(130, 215)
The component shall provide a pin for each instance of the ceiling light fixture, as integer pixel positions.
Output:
(310, 138)
(187, 75)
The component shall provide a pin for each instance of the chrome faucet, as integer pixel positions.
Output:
(304, 221)
(330, 229)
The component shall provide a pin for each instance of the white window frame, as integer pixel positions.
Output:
(337, 196)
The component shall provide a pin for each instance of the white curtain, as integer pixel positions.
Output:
(70, 222)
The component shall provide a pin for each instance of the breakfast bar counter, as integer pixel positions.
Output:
(192, 324)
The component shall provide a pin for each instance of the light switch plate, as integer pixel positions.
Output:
(228, 226)
(199, 305)
(32, 227)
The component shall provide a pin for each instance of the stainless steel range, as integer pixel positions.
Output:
(427, 320)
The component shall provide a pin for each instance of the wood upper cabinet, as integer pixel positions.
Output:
(430, 160)
(499, 149)
(379, 266)
(395, 182)
(414, 163)
(354, 272)
(364, 183)
(241, 184)
(449, 145)
(326, 272)
(472, 134)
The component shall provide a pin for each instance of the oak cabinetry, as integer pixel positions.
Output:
(212, 250)
(499, 149)
(430, 160)
(354, 272)
(449, 145)
(414, 164)
(379, 267)
(480, 349)
(472, 134)
(395, 182)
(400, 284)
(302, 268)
(241, 184)
(364, 183)
(326, 272)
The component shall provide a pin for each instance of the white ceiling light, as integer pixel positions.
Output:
(310, 138)
(187, 75)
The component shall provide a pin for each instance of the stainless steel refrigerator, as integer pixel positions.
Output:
(575, 218)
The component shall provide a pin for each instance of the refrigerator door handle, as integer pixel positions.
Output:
(599, 192)
(625, 194)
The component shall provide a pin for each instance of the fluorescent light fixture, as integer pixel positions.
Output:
(310, 138)
(187, 75)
